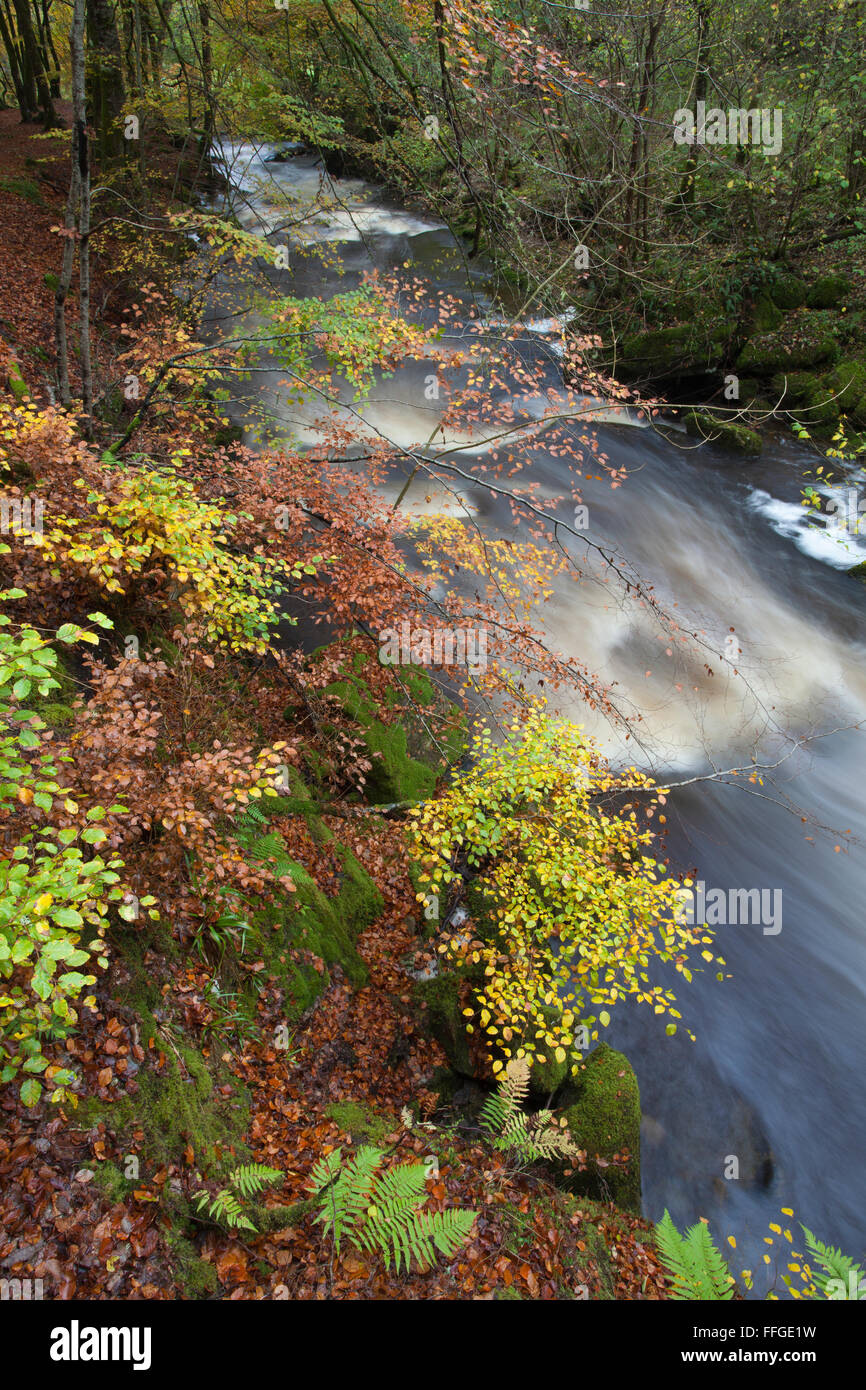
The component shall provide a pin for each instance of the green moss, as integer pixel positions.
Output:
(280, 1218)
(363, 1124)
(176, 1103)
(395, 775)
(674, 351)
(847, 381)
(306, 918)
(789, 291)
(15, 381)
(725, 433)
(805, 340)
(828, 291)
(441, 997)
(602, 1108)
(807, 394)
(111, 1182)
(197, 1277)
(546, 1078)
(56, 715)
(22, 188)
(518, 1228)
(766, 315)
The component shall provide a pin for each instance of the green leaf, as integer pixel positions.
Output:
(31, 1090)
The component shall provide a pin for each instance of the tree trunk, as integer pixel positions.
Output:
(104, 79)
(30, 57)
(13, 52)
(81, 179)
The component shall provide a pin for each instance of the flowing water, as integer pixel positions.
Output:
(775, 1077)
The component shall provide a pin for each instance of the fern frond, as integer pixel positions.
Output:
(836, 1266)
(382, 1211)
(345, 1202)
(710, 1273)
(250, 1178)
(697, 1269)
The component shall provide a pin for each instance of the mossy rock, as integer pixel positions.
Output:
(805, 340)
(808, 394)
(547, 1077)
(682, 350)
(327, 927)
(858, 571)
(602, 1109)
(406, 760)
(766, 315)
(15, 381)
(395, 775)
(828, 291)
(362, 1123)
(725, 433)
(847, 381)
(789, 292)
(444, 999)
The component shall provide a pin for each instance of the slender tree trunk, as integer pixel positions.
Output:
(79, 108)
(49, 52)
(206, 78)
(64, 391)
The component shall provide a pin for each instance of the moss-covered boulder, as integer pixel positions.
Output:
(847, 382)
(669, 353)
(766, 315)
(602, 1109)
(361, 1123)
(808, 395)
(789, 291)
(727, 434)
(395, 776)
(443, 1000)
(828, 291)
(805, 339)
(305, 921)
(405, 761)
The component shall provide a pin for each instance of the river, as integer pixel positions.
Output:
(775, 1077)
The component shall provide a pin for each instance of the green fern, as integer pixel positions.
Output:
(531, 1137)
(270, 849)
(697, 1268)
(225, 1207)
(382, 1211)
(838, 1270)
(252, 819)
(250, 1178)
